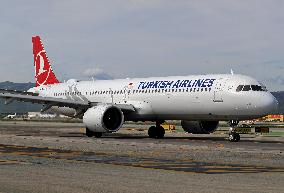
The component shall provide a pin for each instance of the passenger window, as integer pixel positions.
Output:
(240, 88)
(246, 88)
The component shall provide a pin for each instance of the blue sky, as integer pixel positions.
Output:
(141, 38)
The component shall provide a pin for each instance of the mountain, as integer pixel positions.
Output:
(18, 107)
(25, 107)
(16, 86)
(280, 97)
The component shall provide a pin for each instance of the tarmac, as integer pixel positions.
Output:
(58, 157)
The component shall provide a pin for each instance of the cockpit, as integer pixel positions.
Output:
(251, 88)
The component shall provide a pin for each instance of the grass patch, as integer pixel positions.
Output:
(274, 134)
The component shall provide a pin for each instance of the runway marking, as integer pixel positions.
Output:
(9, 152)
(10, 162)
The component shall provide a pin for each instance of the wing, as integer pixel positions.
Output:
(82, 106)
(17, 92)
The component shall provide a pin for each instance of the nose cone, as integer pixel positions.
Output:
(269, 104)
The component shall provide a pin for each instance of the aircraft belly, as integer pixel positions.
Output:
(63, 111)
(191, 108)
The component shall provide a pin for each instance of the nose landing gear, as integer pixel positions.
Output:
(233, 136)
(157, 131)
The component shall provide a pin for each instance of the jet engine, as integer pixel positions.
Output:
(199, 127)
(103, 118)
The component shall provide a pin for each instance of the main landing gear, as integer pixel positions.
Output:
(157, 131)
(233, 136)
(90, 133)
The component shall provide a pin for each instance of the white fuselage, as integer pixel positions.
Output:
(200, 97)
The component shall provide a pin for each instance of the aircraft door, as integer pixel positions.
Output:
(111, 95)
(219, 89)
(127, 92)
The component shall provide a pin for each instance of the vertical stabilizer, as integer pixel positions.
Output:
(44, 74)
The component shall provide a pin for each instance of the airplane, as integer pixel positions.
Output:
(199, 101)
(11, 116)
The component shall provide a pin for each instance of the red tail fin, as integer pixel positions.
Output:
(43, 72)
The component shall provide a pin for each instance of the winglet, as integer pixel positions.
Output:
(44, 74)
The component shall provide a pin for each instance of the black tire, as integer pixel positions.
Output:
(237, 137)
(89, 133)
(234, 137)
(160, 132)
(231, 137)
(152, 132)
(98, 134)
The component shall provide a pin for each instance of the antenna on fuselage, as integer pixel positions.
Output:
(232, 72)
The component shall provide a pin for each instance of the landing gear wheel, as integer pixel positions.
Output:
(231, 137)
(156, 132)
(152, 132)
(237, 137)
(89, 133)
(160, 132)
(234, 137)
(98, 134)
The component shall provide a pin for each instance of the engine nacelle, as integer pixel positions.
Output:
(103, 118)
(199, 127)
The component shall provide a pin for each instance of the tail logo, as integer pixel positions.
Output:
(42, 69)
(41, 63)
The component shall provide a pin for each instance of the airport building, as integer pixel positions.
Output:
(271, 118)
(274, 118)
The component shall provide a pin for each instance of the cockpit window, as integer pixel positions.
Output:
(257, 88)
(250, 87)
(246, 88)
(240, 88)
(263, 87)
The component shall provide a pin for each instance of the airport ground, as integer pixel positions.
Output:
(58, 157)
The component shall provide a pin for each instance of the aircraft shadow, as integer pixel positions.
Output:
(189, 138)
